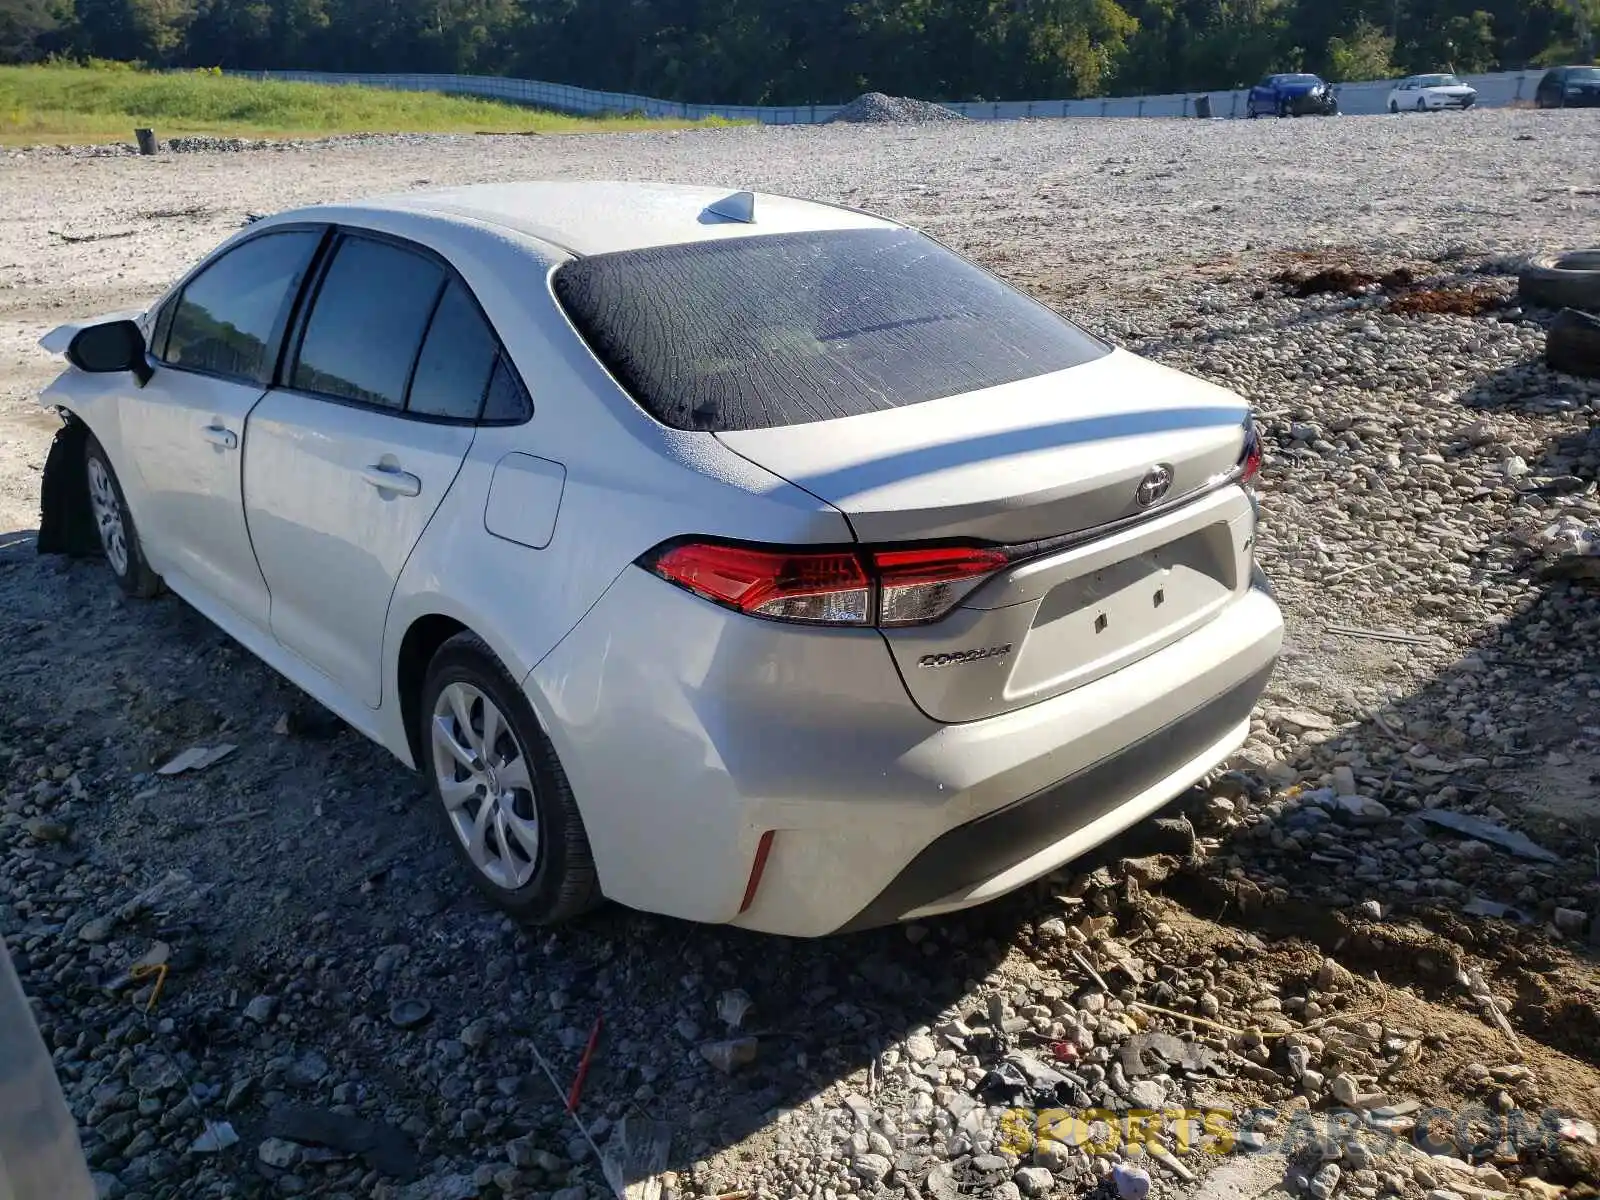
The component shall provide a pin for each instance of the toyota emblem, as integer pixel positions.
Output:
(1156, 483)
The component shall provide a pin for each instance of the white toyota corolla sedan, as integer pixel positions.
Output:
(1431, 93)
(736, 557)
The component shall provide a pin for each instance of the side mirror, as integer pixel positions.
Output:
(106, 349)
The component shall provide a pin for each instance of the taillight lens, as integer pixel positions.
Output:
(922, 585)
(788, 586)
(1250, 460)
(829, 587)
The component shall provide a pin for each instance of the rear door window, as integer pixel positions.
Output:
(457, 358)
(229, 318)
(782, 329)
(508, 400)
(366, 324)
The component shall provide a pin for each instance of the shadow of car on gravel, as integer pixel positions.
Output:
(316, 876)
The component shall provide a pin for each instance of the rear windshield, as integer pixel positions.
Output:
(758, 332)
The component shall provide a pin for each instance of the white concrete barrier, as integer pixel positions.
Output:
(1355, 99)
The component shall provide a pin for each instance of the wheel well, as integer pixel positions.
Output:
(417, 648)
(66, 523)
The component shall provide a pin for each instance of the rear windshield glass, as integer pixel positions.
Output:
(757, 332)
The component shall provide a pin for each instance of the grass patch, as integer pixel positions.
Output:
(105, 104)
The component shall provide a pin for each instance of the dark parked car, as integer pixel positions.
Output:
(1295, 95)
(1569, 87)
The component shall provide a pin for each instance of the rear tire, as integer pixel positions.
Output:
(501, 795)
(1570, 280)
(1573, 344)
(119, 540)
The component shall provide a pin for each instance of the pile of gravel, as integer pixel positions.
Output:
(874, 108)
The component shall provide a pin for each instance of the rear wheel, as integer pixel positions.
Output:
(119, 540)
(500, 789)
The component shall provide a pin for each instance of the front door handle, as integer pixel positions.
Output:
(217, 435)
(392, 479)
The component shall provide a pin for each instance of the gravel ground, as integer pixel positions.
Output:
(324, 961)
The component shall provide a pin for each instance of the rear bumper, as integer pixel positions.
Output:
(689, 733)
(1001, 851)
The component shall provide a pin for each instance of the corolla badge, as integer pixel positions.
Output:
(1157, 482)
(957, 657)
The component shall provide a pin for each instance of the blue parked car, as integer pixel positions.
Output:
(1294, 95)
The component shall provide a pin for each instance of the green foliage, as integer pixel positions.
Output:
(818, 51)
(1368, 53)
(82, 103)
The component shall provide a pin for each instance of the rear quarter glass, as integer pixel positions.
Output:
(784, 329)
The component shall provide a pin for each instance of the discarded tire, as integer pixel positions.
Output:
(1573, 344)
(1570, 280)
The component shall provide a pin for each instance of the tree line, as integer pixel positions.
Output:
(821, 51)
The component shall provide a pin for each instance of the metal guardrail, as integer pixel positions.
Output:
(1355, 99)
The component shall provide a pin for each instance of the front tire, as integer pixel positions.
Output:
(499, 789)
(119, 540)
(1394, 107)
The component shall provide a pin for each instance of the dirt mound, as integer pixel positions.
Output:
(1405, 292)
(1452, 301)
(874, 108)
(1340, 281)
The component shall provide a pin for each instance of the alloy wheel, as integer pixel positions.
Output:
(485, 781)
(107, 511)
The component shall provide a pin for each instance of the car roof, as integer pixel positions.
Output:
(585, 218)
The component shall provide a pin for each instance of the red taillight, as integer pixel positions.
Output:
(1250, 461)
(920, 585)
(790, 586)
(830, 587)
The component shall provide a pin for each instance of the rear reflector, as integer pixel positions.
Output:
(829, 587)
(763, 849)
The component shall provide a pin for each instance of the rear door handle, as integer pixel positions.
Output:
(218, 436)
(392, 479)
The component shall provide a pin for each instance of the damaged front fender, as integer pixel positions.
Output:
(66, 522)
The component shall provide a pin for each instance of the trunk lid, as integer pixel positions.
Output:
(1029, 460)
(1035, 461)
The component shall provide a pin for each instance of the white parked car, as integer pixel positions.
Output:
(1430, 93)
(740, 558)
